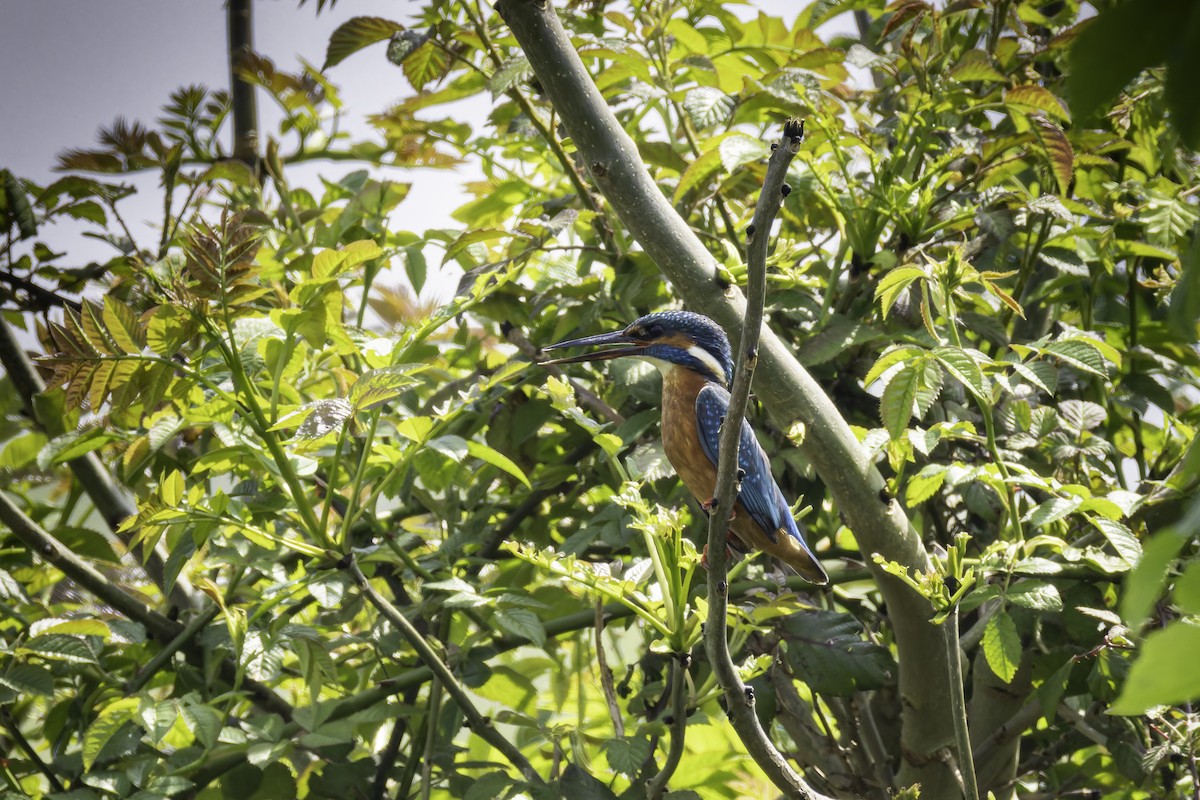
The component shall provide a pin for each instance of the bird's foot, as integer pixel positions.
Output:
(730, 555)
(711, 503)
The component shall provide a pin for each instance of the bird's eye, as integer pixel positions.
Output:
(655, 331)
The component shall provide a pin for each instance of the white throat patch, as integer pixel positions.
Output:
(709, 360)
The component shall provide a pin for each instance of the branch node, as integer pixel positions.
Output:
(599, 169)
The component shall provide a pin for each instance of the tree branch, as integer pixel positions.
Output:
(158, 626)
(243, 104)
(109, 500)
(787, 389)
(481, 725)
(739, 700)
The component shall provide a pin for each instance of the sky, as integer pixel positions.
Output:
(72, 66)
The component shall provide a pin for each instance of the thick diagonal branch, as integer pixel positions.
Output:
(789, 392)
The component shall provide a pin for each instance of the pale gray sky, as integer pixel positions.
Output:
(71, 66)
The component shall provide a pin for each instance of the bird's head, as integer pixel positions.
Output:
(666, 339)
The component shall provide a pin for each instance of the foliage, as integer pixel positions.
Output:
(983, 273)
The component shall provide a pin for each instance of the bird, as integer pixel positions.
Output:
(692, 352)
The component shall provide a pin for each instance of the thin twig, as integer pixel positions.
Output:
(958, 701)
(10, 723)
(481, 725)
(606, 677)
(740, 700)
(657, 785)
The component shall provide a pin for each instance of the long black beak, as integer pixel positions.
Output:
(632, 347)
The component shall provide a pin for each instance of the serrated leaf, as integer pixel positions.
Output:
(1121, 538)
(203, 722)
(521, 623)
(1066, 261)
(17, 205)
(1031, 97)
(379, 386)
(110, 720)
(26, 679)
(740, 149)
(707, 106)
(1057, 149)
(888, 360)
(893, 284)
(1052, 510)
(322, 417)
(924, 484)
(832, 653)
(356, 33)
(170, 326)
(1081, 354)
(1035, 595)
(962, 365)
(1081, 415)
(627, 754)
(975, 65)
(896, 404)
(509, 74)
(1002, 646)
(426, 64)
(123, 326)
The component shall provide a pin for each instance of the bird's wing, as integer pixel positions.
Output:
(759, 492)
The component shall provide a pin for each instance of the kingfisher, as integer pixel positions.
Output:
(692, 353)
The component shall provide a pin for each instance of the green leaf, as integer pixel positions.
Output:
(203, 722)
(170, 326)
(832, 654)
(123, 325)
(17, 206)
(1035, 595)
(1002, 646)
(1121, 538)
(26, 679)
(1031, 97)
(378, 386)
(323, 416)
(61, 647)
(975, 65)
(497, 459)
(626, 754)
(426, 64)
(924, 484)
(740, 149)
(110, 720)
(356, 33)
(1187, 590)
(1160, 675)
(697, 174)
(1081, 354)
(1057, 149)
(896, 404)
(888, 360)
(521, 623)
(1052, 510)
(509, 74)
(893, 284)
(963, 366)
(708, 106)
